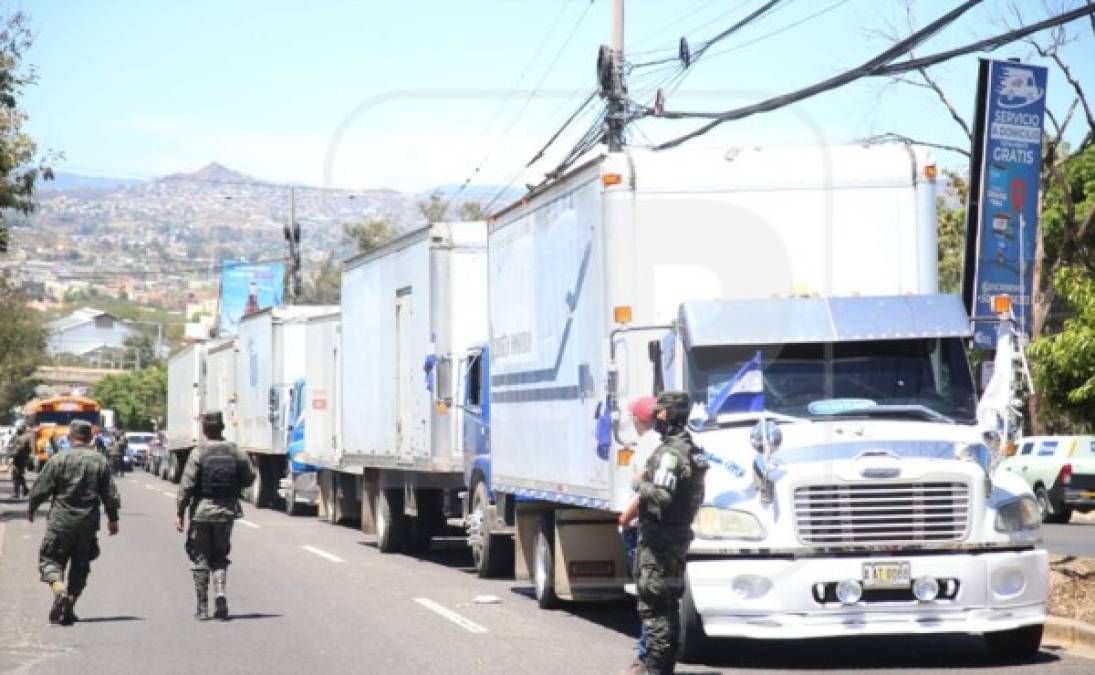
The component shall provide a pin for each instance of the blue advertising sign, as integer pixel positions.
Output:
(1011, 168)
(246, 288)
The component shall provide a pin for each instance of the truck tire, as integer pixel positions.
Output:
(1018, 644)
(1054, 514)
(492, 554)
(543, 574)
(426, 523)
(291, 508)
(391, 522)
(692, 641)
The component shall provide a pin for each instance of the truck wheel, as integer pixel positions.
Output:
(543, 575)
(1016, 644)
(691, 639)
(291, 494)
(391, 523)
(1042, 498)
(426, 523)
(491, 554)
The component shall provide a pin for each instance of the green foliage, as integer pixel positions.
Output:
(137, 397)
(325, 286)
(1063, 212)
(22, 347)
(1064, 364)
(434, 209)
(18, 169)
(370, 235)
(951, 224)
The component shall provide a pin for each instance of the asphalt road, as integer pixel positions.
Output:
(1076, 538)
(310, 597)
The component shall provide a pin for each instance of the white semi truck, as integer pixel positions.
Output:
(873, 505)
(270, 370)
(410, 311)
(184, 386)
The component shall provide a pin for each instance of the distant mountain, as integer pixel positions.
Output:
(214, 173)
(63, 180)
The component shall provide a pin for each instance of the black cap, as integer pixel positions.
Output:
(80, 430)
(213, 419)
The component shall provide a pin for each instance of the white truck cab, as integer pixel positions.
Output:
(862, 497)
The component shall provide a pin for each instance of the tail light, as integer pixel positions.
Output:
(1065, 476)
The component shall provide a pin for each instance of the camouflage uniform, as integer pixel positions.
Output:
(77, 482)
(215, 475)
(117, 452)
(21, 449)
(670, 492)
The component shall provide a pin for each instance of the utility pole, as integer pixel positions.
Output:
(293, 286)
(617, 94)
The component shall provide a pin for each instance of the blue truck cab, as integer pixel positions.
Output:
(299, 486)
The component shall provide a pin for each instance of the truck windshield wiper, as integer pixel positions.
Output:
(750, 418)
(922, 411)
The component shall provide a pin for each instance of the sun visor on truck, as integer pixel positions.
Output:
(711, 323)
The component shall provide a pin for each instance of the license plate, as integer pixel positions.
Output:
(887, 575)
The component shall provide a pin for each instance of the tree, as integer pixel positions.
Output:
(370, 235)
(434, 208)
(141, 350)
(136, 397)
(325, 286)
(951, 225)
(19, 168)
(22, 347)
(471, 210)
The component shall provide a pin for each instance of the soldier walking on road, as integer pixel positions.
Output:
(117, 451)
(77, 482)
(216, 472)
(21, 449)
(670, 492)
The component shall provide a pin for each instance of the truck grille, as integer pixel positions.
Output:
(878, 513)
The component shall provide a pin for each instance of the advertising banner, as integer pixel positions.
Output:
(246, 288)
(1010, 171)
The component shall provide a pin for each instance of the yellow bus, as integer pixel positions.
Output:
(50, 417)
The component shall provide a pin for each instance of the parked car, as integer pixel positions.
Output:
(1060, 471)
(139, 443)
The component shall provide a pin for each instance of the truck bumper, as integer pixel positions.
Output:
(777, 599)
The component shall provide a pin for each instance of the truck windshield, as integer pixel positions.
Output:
(819, 380)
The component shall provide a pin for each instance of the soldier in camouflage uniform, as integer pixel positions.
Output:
(216, 472)
(77, 482)
(21, 450)
(670, 492)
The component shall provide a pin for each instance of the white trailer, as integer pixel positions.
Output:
(622, 242)
(184, 386)
(271, 359)
(218, 393)
(410, 310)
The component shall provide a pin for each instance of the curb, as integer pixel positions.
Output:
(1069, 632)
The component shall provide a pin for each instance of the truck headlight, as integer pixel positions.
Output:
(711, 522)
(1018, 514)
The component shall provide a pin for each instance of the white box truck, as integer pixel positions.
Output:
(880, 512)
(410, 311)
(184, 387)
(218, 391)
(269, 365)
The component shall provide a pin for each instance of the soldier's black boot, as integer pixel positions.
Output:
(58, 589)
(201, 588)
(220, 580)
(68, 615)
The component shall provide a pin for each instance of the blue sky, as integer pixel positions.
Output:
(413, 94)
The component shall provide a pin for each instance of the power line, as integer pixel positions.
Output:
(794, 24)
(528, 100)
(898, 49)
(880, 66)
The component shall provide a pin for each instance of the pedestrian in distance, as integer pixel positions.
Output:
(76, 483)
(117, 452)
(670, 492)
(216, 473)
(21, 449)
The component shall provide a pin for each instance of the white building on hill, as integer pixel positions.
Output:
(86, 331)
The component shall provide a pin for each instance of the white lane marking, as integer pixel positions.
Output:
(322, 554)
(149, 487)
(465, 623)
(248, 523)
(165, 493)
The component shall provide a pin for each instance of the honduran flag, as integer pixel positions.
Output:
(743, 393)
